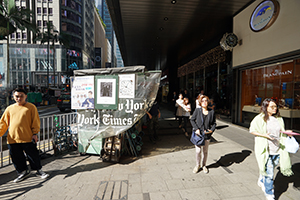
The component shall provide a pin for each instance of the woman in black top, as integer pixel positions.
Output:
(203, 120)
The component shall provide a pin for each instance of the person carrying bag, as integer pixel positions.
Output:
(204, 124)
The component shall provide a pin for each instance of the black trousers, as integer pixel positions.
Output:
(185, 122)
(18, 157)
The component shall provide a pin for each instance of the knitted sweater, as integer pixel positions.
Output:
(261, 146)
(22, 121)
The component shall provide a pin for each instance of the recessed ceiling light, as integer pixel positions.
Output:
(173, 1)
(161, 28)
(166, 19)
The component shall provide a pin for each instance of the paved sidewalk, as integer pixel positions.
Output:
(162, 171)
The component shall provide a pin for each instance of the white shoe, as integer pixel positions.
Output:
(196, 169)
(270, 197)
(22, 176)
(261, 185)
(205, 170)
(41, 174)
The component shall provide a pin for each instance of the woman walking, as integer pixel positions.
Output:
(269, 146)
(179, 111)
(186, 114)
(203, 121)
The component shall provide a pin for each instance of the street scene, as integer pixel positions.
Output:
(149, 100)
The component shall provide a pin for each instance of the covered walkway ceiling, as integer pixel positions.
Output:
(156, 33)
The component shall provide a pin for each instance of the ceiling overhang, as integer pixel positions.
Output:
(157, 32)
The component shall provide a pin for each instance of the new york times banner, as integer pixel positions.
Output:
(128, 94)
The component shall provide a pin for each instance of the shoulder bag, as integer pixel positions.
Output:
(197, 139)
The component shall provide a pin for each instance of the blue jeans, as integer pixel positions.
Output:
(268, 180)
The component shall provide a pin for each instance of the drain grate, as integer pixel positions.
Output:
(112, 190)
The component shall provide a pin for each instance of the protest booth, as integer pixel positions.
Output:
(110, 104)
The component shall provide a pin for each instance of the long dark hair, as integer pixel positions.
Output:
(264, 107)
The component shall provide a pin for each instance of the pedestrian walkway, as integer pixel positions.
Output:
(162, 171)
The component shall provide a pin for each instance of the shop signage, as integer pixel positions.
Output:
(73, 66)
(278, 73)
(264, 15)
(73, 53)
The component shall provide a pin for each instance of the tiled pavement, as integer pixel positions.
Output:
(162, 171)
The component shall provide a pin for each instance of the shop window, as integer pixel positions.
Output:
(276, 82)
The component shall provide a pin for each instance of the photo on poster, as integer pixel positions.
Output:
(126, 85)
(106, 90)
(82, 90)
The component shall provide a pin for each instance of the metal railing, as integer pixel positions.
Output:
(48, 125)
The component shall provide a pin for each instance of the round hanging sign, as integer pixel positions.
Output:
(264, 15)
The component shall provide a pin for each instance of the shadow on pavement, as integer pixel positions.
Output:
(221, 127)
(231, 158)
(281, 183)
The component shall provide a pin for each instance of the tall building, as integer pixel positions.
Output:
(88, 35)
(110, 34)
(31, 62)
(120, 62)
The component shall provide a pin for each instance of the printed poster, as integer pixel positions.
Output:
(106, 92)
(126, 85)
(83, 93)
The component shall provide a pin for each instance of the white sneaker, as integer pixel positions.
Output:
(205, 170)
(41, 174)
(22, 176)
(270, 197)
(196, 169)
(261, 185)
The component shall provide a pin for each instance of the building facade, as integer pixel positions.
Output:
(31, 62)
(211, 73)
(266, 64)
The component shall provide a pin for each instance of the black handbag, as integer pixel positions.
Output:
(198, 139)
